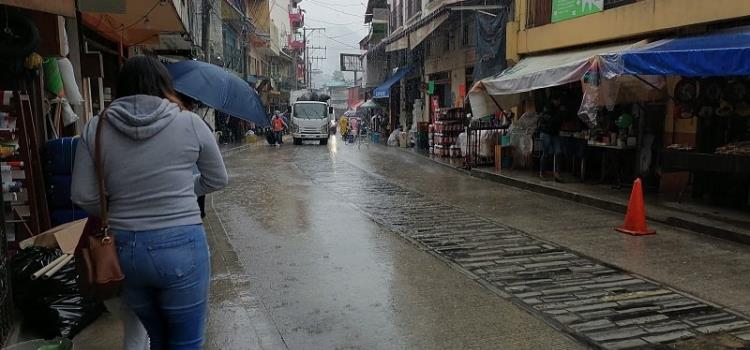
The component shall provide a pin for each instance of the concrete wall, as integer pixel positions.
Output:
(455, 60)
(280, 19)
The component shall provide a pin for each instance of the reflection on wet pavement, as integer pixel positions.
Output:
(325, 276)
(320, 231)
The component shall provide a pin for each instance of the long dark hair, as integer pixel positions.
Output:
(145, 75)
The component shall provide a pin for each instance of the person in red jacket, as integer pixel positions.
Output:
(279, 125)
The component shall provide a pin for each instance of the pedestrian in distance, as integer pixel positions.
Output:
(150, 146)
(279, 125)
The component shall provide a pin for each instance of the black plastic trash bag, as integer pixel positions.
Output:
(271, 138)
(51, 307)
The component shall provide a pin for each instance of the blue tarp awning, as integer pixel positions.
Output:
(725, 53)
(384, 90)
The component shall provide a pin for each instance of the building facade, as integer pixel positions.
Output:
(424, 52)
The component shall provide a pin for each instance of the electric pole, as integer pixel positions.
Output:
(307, 59)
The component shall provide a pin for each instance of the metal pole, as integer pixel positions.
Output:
(304, 42)
(206, 31)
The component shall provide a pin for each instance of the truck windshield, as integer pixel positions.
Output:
(310, 111)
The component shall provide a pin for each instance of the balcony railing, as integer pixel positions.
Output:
(295, 44)
(297, 20)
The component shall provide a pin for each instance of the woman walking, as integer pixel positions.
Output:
(150, 147)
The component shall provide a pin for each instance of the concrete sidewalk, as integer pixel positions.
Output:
(721, 223)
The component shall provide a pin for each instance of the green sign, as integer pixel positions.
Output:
(567, 9)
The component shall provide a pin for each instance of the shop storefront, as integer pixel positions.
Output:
(57, 70)
(40, 100)
(673, 112)
(389, 94)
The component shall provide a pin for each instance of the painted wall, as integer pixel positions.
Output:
(629, 21)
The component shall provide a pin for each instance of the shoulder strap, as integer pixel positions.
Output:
(99, 165)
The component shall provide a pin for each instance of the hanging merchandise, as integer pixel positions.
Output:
(53, 79)
(33, 61)
(69, 117)
(72, 93)
(522, 135)
(19, 37)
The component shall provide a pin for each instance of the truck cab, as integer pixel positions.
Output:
(310, 120)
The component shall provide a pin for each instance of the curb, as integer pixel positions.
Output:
(694, 226)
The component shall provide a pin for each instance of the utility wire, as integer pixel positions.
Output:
(333, 24)
(337, 10)
(341, 42)
(340, 5)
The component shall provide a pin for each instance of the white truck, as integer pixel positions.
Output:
(311, 117)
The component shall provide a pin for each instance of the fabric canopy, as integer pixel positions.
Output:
(421, 33)
(384, 90)
(400, 44)
(718, 54)
(545, 71)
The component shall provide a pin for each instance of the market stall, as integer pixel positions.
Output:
(711, 91)
(648, 109)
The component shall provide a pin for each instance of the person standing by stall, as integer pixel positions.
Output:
(549, 133)
(151, 147)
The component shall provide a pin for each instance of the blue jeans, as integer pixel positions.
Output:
(279, 137)
(167, 274)
(550, 147)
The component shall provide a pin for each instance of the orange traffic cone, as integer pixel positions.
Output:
(635, 219)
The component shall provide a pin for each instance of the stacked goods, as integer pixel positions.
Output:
(735, 149)
(59, 156)
(680, 147)
(444, 136)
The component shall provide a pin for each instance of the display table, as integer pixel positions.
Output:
(613, 159)
(705, 162)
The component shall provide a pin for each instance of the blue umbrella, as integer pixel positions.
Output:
(219, 89)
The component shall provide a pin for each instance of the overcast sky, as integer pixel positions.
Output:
(344, 23)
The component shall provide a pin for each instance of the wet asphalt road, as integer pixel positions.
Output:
(378, 248)
(313, 272)
(338, 248)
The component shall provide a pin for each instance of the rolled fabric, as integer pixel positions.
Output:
(52, 77)
(72, 93)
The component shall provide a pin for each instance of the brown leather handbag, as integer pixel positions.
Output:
(100, 274)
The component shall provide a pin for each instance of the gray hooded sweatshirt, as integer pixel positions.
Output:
(150, 149)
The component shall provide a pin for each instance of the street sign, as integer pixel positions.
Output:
(568, 9)
(350, 62)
